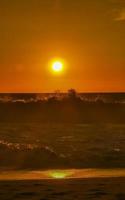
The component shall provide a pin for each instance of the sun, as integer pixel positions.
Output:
(57, 66)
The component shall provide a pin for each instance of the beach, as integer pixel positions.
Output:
(64, 189)
(85, 184)
(62, 161)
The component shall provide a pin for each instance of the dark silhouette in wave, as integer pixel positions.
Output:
(62, 130)
(68, 108)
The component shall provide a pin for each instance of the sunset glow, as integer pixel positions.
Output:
(60, 174)
(81, 42)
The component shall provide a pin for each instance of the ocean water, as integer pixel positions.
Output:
(27, 97)
(37, 146)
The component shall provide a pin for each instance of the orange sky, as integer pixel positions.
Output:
(88, 35)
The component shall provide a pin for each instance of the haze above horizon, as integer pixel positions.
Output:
(86, 36)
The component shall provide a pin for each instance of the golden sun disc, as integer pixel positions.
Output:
(57, 66)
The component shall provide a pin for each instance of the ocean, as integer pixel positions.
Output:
(61, 146)
(37, 146)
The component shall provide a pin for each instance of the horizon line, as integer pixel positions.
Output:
(62, 92)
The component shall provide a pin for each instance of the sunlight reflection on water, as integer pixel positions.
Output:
(61, 174)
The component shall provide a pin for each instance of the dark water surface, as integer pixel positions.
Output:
(106, 97)
(59, 146)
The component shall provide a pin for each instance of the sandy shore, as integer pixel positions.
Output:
(64, 189)
(61, 174)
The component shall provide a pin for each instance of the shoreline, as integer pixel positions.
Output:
(62, 174)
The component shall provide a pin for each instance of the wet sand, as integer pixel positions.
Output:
(64, 189)
(61, 174)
